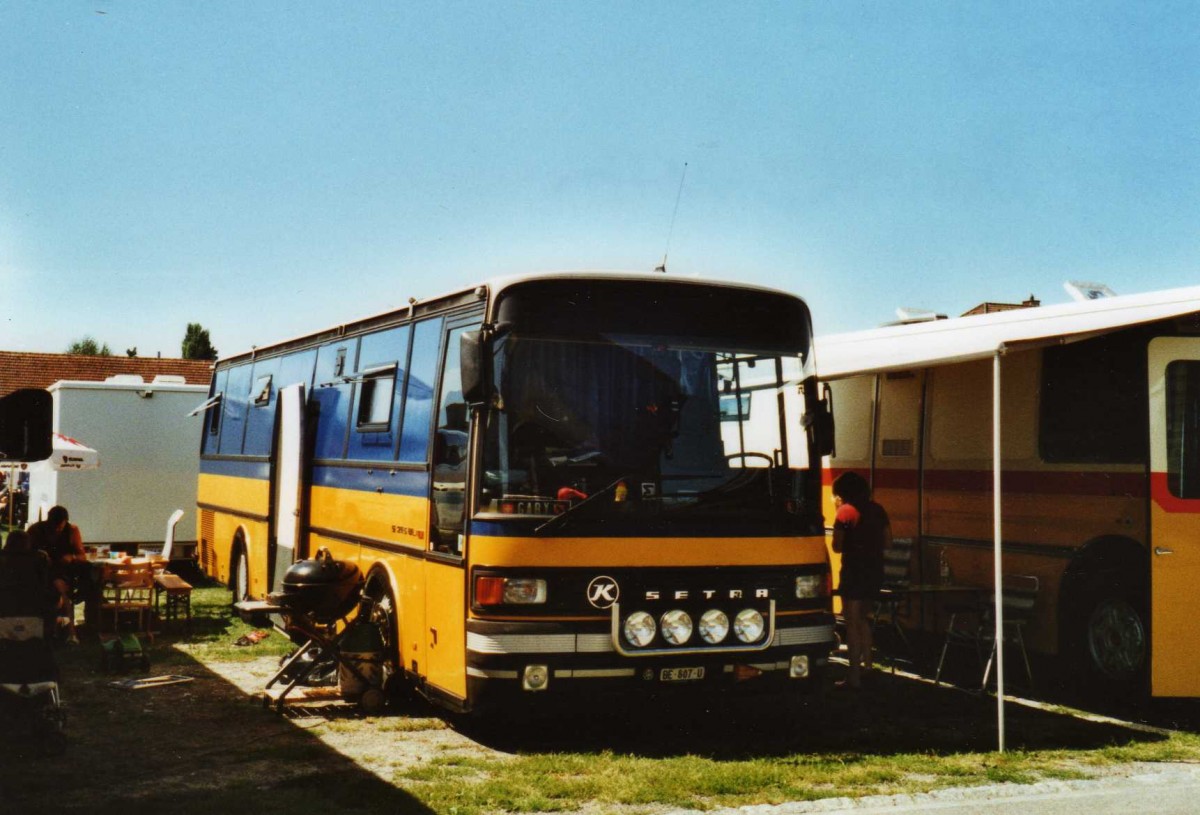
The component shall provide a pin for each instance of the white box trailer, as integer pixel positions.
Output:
(148, 460)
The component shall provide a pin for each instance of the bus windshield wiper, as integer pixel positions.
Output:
(559, 520)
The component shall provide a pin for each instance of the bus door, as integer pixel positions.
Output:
(1174, 372)
(286, 483)
(445, 578)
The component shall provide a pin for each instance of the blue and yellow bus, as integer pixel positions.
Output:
(553, 484)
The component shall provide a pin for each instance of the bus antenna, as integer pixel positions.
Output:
(662, 267)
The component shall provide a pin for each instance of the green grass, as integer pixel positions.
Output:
(566, 782)
(215, 631)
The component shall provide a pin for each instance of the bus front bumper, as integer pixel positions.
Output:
(533, 661)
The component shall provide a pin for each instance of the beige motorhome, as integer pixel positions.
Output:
(1098, 411)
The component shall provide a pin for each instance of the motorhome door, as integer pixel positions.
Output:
(1174, 371)
(286, 482)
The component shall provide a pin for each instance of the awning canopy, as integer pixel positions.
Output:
(70, 454)
(941, 342)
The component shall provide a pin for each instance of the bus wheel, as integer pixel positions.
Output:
(384, 617)
(1111, 643)
(239, 578)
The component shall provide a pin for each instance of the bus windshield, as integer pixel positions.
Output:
(641, 432)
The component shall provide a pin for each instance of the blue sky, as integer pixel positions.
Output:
(270, 168)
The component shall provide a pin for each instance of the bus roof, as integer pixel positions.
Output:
(493, 286)
(961, 339)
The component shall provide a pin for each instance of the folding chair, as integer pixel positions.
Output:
(895, 592)
(1018, 594)
(127, 589)
(973, 624)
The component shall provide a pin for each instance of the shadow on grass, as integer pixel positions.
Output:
(892, 716)
(197, 747)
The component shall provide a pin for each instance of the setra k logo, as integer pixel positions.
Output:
(603, 591)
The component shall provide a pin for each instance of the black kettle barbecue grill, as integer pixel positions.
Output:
(322, 588)
(316, 596)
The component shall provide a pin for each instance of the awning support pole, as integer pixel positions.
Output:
(996, 560)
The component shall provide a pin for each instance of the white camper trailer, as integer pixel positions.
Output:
(148, 464)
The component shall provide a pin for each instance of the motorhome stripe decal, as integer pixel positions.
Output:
(1161, 493)
(1034, 482)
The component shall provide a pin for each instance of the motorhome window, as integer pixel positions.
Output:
(418, 391)
(377, 391)
(211, 440)
(234, 407)
(214, 416)
(262, 391)
(1094, 396)
(331, 401)
(1183, 429)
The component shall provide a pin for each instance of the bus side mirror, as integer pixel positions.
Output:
(26, 419)
(823, 428)
(820, 424)
(475, 355)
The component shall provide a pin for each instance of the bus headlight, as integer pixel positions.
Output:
(714, 626)
(495, 591)
(748, 625)
(809, 586)
(676, 626)
(639, 629)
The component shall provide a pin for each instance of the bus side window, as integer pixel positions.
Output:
(213, 415)
(418, 391)
(233, 411)
(260, 420)
(450, 453)
(379, 380)
(331, 399)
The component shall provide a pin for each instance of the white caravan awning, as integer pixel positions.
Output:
(941, 342)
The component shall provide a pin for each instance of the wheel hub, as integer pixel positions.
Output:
(1116, 639)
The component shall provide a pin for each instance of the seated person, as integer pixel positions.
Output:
(69, 569)
(26, 588)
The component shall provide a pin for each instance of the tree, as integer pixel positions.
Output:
(196, 344)
(89, 347)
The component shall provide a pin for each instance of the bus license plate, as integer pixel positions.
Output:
(681, 674)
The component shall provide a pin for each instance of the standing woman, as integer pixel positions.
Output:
(861, 531)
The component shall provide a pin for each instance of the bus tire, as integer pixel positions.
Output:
(386, 618)
(1109, 643)
(239, 575)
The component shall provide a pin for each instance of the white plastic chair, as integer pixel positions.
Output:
(169, 538)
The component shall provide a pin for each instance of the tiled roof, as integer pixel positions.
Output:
(32, 370)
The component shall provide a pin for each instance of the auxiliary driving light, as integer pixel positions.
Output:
(639, 629)
(799, 667)
(809, 586)
(748, 625)
(536, 677)
(676, 626)
(714, 626)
